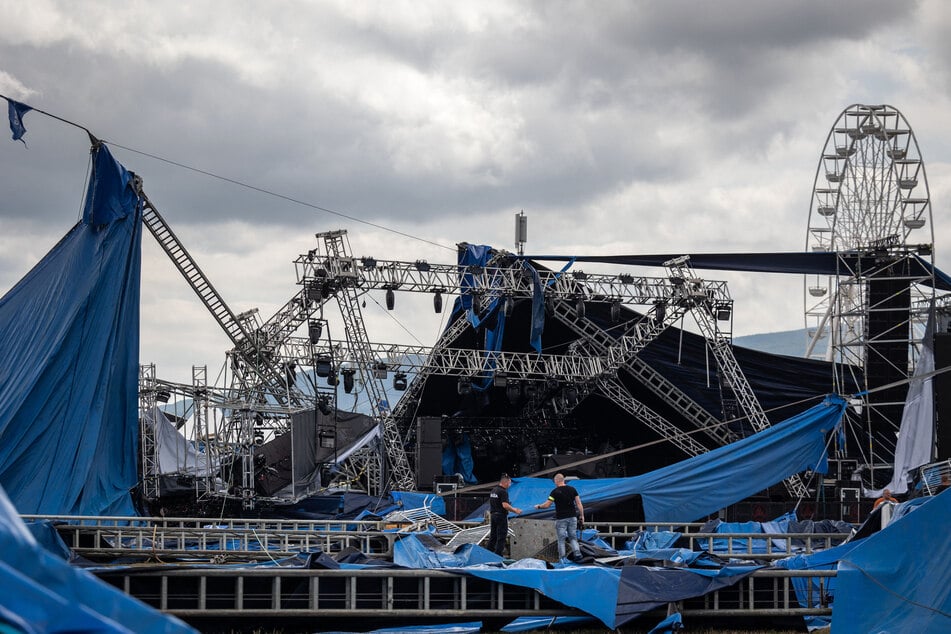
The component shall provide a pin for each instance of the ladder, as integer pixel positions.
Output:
(348, 300)
(722, 348)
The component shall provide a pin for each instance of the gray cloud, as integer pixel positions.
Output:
(616, 126)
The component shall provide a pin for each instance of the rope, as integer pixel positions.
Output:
(95, 141)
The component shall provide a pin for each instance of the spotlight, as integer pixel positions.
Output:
(513, 391)
(323, 367)
(162, 396)
(368, 263)
(660, 311)
(314, 329)
(507, 305)
(332, 379)
(624, 278)
(500, 379)
(312, 291)
(476, 302)
(437, 302)
(579, 308)
(379, 370)
(348, 379)
(615, 312)
(258, 438)
(390, 299)
(324, 406)
(571, 395)
(723, 313)
(421, 265)
(580, 275)
(464, 386)
(290, 371)
(399, 382)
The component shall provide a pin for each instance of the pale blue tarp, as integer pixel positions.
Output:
(42, 593)
(897, 579)
(807, 588)
(69, 353)
(698, 486)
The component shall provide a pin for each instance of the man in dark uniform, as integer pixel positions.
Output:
(499, 509)
(568, 509)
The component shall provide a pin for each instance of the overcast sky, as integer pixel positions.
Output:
(618, 127)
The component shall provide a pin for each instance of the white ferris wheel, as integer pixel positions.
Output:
(870, 197)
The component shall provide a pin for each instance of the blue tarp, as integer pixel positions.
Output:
(69, 354)
(897, 579)
(43, 593)
(698, 486)
(614, 596)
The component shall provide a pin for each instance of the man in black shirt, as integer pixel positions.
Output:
(499, 509)
(568, 509)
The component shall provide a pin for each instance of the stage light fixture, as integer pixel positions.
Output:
(348, 379)
(437, 301)
(508, 304)
(379, 370)
(323, 366)
(163, 396)
(615, 312)
(513, 391)
(368, 263)
(399, 382)
(390, 299)
(464, 386)
(421, 265)
(323, 404)
(315, 328)
(579, 308)
(724, 313)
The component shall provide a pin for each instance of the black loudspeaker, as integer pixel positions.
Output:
(887, 355)
(942, 394)
(428, 451)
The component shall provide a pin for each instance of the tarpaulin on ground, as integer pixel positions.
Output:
(896, 580)
(69, 354)
(698, 486)
(613, 595)
(43, 593)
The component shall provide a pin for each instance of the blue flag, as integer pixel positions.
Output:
(16, 110)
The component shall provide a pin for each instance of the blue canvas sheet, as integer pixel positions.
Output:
(698, 486)
(896, 580)
(612, 595)
(43, 593)
(69, 355)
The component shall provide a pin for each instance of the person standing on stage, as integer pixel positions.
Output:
(568, 510)
(499, 509)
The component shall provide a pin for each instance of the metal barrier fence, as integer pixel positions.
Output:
(101, 536)
(293, 593)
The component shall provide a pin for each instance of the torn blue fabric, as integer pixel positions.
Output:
(698, 486)
(69, 361)
(896, 580)
(43, 593)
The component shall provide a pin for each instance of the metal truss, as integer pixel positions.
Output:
(706, 314)
(507, 280)
(619, 394)
(148, 392)
(348, 295)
